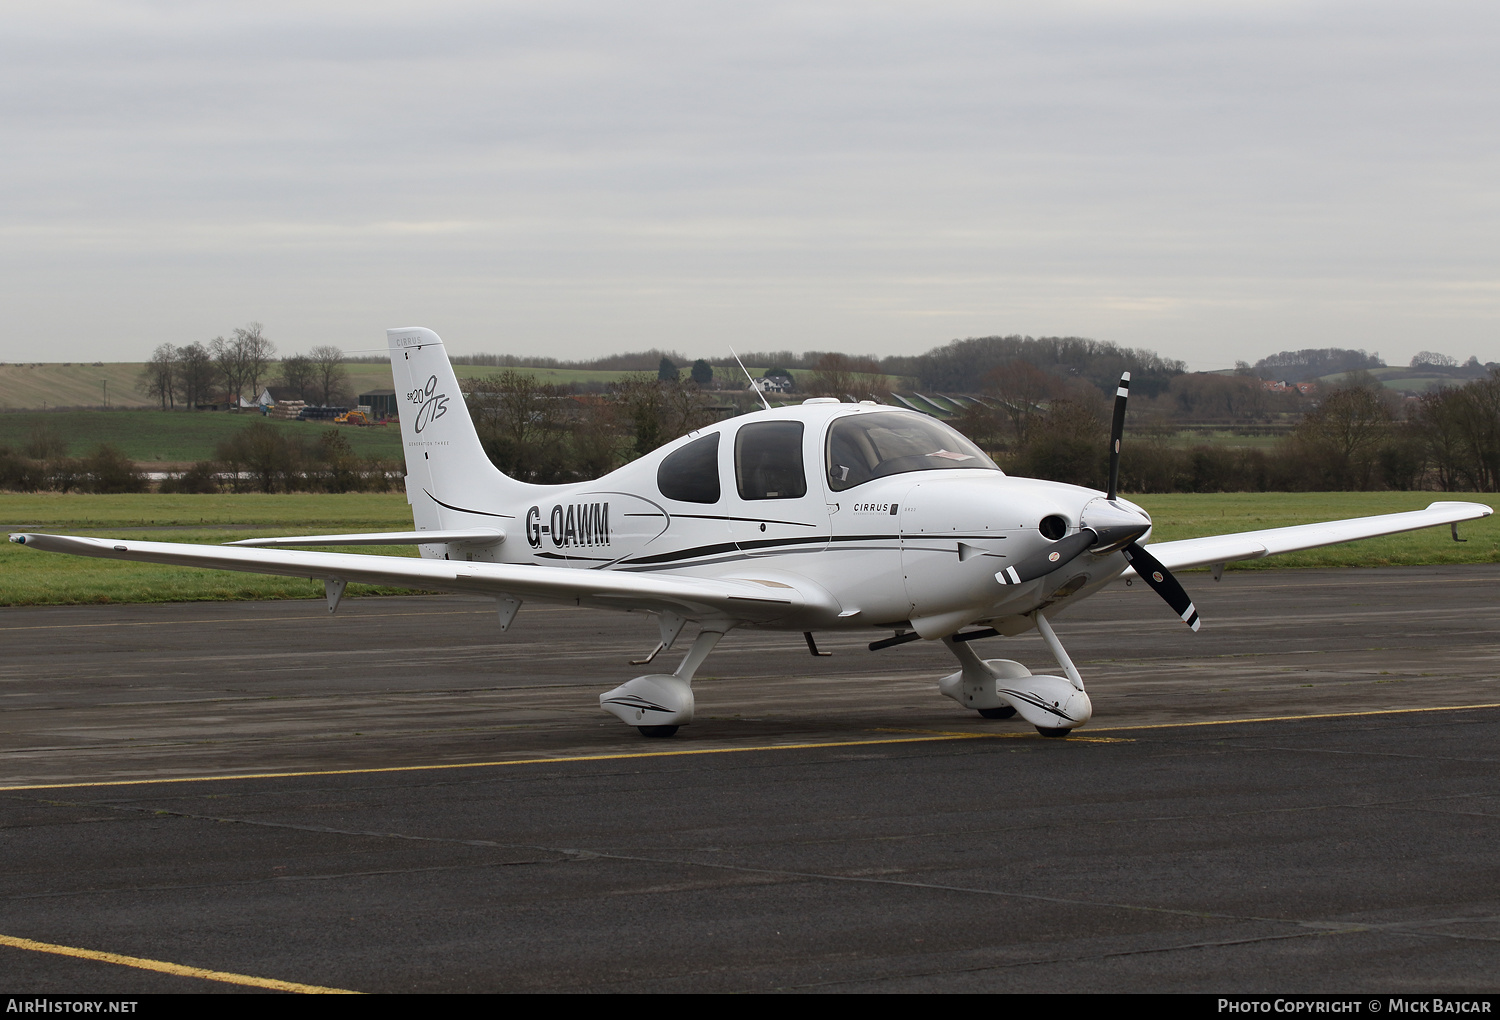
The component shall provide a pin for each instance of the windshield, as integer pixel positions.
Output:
(862, 447)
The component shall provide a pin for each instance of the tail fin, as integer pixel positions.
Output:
(450, 482)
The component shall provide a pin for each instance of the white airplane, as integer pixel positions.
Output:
(820, 517)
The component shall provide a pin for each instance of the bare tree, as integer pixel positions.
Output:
(229, 359)
(1342, 438)
(255, 354)
(660, 411)
(1070, 444)
(329, 377)
(839, 375)
(1433, 359)
(1210, 395)
(272, 458)
(297, 374)
(520, 424)
(45, 443)
(159, 377)
(196, 373)
(1460, 429)
(1022, 389)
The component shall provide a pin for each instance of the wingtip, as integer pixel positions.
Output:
(1484, 509)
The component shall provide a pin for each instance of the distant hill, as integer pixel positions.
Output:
(49, 385)
(1417, 380)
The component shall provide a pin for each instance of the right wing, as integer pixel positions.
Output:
(1250, 545)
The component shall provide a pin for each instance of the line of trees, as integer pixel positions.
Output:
(42, 464)
(1359, 436)
(227, 369)
(541, 432)
(264, 458)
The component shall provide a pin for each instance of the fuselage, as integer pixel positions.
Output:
(899, 518)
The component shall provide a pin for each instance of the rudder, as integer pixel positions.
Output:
(450, 482)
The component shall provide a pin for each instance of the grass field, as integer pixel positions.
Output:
(28, 577)
(154, 437)
(47, 385)
(1262, 437)
(1192, 515)
(1402, 377)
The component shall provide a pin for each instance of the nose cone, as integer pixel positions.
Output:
(1116, 522)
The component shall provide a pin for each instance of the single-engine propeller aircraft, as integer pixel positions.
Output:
(817, 517)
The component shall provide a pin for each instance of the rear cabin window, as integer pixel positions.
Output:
(768, 461)
(863, 447)
(691, 474)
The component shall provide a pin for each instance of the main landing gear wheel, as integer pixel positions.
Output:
(657, 731)
(1003, 712)
(1046, 731)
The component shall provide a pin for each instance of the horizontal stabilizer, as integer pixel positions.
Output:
(470, 536)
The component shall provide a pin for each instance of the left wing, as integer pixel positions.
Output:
(1250, 545)
(745, 600)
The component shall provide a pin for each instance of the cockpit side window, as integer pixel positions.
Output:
(768, 460)
(862, 447)
(691, 474)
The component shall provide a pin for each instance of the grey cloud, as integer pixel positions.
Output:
(1210, 180)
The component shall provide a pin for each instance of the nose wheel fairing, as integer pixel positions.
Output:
(1052, 704)
(661, 702)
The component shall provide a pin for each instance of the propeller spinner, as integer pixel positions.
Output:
(1106, 526)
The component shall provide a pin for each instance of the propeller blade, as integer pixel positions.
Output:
(1117, 433)
(1052, 558)
(1161, 580)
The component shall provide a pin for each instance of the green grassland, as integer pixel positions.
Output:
(45, 385)
(550, 376)
(1193, 515)
(75, 384)
(29, 577)
(1258, 437)
(1403, 377)
(155, 437)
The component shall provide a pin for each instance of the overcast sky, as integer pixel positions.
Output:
(1213, 180)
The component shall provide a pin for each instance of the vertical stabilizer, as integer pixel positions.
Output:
(450, 482)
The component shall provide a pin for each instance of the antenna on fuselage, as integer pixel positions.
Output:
(754, 387)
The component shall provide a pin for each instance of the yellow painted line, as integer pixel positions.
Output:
(141, 963)
(517, 761)
(1290, 718)
(924, 736)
